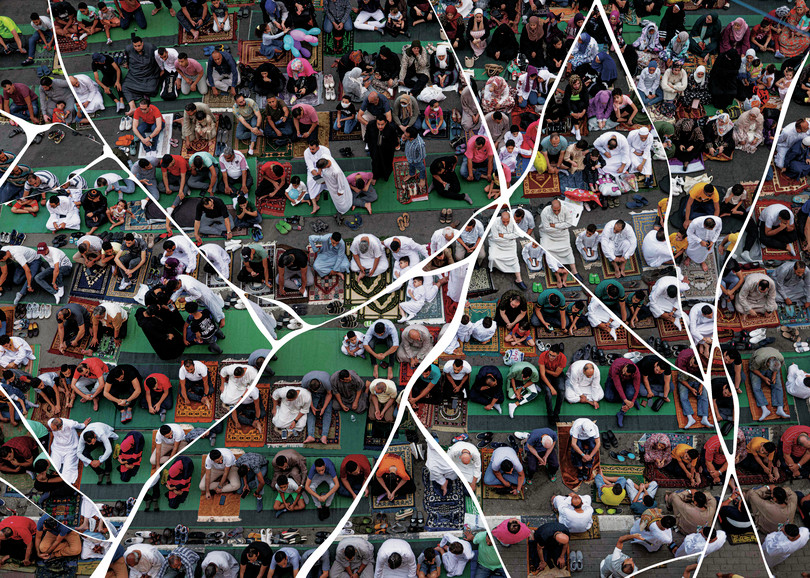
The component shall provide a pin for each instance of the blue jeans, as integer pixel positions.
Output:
(19, 276)
(601, 483)
(21, 110)
(146, 129)
(777, 392)
(451, 77)
(272, 48)
(478, 172)
(703, 400)
(45, 276)
(138, 17)
(252, 481)
(659, 96)
(317, 402)
(422, 125)
(328, 27)
(532, 100)
(243, 133)
(491, 480)
(9, 192)
(586, 446)
(186, 23)
(417, 169)
(348, 125)
(479, 571)
(34, 39)
(286, 129)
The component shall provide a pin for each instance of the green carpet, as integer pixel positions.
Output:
(326, 342)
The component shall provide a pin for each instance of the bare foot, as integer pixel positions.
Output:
(309, 440)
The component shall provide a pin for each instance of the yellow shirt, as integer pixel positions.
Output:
(698, 194)
(730, 241)
(609, 498)
(676, 244)
(679, 452)
(756, 444)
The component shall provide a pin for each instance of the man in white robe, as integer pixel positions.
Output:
(532, 254)
(336, 183)
(701, 326)
(143, 560)
(456, 552)
(87, 93)
(702, 235)
(467, 458)
(555, 220)
(218, 257)
(401, 566)
(76, 185)
(455, 282)
(503, 247)
(615, 151)
(618, 243)
(315, 182)
(583, 383)
(664, 300)
(16, 354)
(587, 243)
(599, 316)
(779, 545)
(64, 450)
(191, 289)
(654, 534)
(404, 247)
(574, 512)
(640, 142)
(64, 214)
(695, 543)
(368, 256)
(441, 238)
(656, 249)
(291, 406)
(789, 135)
(181, 248)
(792, 283)
(797, 383)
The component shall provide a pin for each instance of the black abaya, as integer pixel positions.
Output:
(382, 155)
(162, 333)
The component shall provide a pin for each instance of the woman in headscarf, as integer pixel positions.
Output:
(583, 55)
(573, 25)
(648, 84)
(622, 6)
(688, 141)
(527, 88)
(478, 32)
(453, 25)
(673, 82)
(719, 135)
(555, 54)
(301, 79)
(791, 41)
(531, 41)
(348, 61)
(672, 21)
(503, 45)
(130, 455)
(705, 38)
(163, 329)
(178, 482)
(615, 20)
(723, 84)
(405, 111)
(496, 96)
(676, 49)
(443, 67)
(649, 40)
(605, 67)
(470, 117)
(387, 64)
(600, 108)
(268, 79)
(301, 14)
(697, 89)
(577, 99)
(355, 85)
(748, 130)
(736, 36)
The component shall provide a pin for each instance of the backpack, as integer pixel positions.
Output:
(168, 91)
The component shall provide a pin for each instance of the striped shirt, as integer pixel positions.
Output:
(48, 181)
(790, 441)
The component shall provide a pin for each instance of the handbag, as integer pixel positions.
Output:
(512, 356)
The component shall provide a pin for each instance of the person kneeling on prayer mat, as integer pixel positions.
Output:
(415, 344)
(55, 540)
(757, 296)
(291, 407)
(552, 547)
(220, 474)
(392, 481)
(178, 482)
(792, 284)
(250, 411)
(505, 472)
(585, 445)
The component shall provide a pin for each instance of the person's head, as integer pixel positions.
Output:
(764, 286)
(457, 548)
(166, 431)
(394, 560)
(281, 559)
(576, 501)
(336, 238)
(216, 456)
(429, 554)
(707, 311)
(648, 501)
(791, 531)
(700, 499)
(612, 291)
(292, 394)
(507, 466)
(779, 495)
(137, 43)
(89, 438)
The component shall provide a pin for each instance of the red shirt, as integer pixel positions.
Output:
(309, 115)
(178, 167)
(22, 528)
(129, 6)
(95, 365)
(267, 171)
(23, 446)
(363, 466)
(714, 453)
(149, 117)
(790, 443)
(544, 360)
(163, 382)
(476, 155)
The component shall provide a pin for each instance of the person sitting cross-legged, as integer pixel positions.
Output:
(220, 474)
(322, 472)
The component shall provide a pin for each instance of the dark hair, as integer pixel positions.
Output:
(700, 499)
(792, 530)
(215, 454)
(507, 466)
(779, 495)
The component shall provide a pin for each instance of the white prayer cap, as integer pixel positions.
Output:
(806, 141)
(644, 131)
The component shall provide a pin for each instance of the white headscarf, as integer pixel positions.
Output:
(695, 76)
(441, 50)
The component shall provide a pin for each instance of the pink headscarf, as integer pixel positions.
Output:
(299, 67)
(738, 31)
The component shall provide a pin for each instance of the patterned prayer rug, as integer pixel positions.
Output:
(274, 206)
(405, 373)
(631, 266)
(249, 54)
(114, 293)
(274, 151)
(443, 512)
(480, 283)
(407, 501)
(793, 315)
(358, 291)
(702, 284)
(407, 191)
(91, 283)
(424, 413)
(300, 147)
(207, 34)
(8, 310)
(76, 351)
(551, 278)
(66, 509)
(489, 491)
(476, 311)
(548, 571)
(200, 145)
(747, 538)
(539, 185)
(445, 418)
(643, 223)
(604, 340)
(756, 412)
(783, 185)
(242, 436)
(326, 289)
(197, 412)
(331, 48)
(769, 253)
(431, 313)
(211, 510)
(669, 331)
(768, 320)
(339, 135)
(666, 480)
(274, 436)
(567, 469)
(375, 435)
(222, 100)
(693, 402)
(138, 221)
(257, 287)
(213, 280)
(68, 45)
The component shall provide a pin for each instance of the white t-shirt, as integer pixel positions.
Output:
(198, 374)
(178, 435)
(451, 371)
(228, 460)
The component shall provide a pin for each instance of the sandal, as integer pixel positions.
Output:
(58, 137)
(407, 219)
(401, 223)
(443, 216)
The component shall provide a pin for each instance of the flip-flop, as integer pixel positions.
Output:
(407, 218)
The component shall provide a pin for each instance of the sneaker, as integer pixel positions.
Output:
(522, 435)
(109, 41)
(125, 283)
(58, 295)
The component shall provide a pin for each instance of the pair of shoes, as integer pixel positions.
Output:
(283, 226)
(346, 152)
(329, 87)
(593, 279)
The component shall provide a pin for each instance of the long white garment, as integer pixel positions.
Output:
(227, 566)
(778, 547)
(75, 186)
(695, 543)
(483, 334)
(407, 248)
(408, 567)
(697, 233)
(455, 564)
(532, 254)
(150, 563)
(184, 251)
(219, 258)
(198, 291)
(464, 332)
(66, 212)
(701, 326)
(598, 313)
(556, 240)
(469, 471)
(621, 244)
(655, 252)
(315, 186)
(787, 138)
(652, 537)
(640, 150)
(441, 238)
(617, 160)
(417, 297)
(578, 384)
(287, 410)
(338, 186)
(661, 303)
(794, 384)
(88, 93)
(64, 449)
(22, 354)
(503, 247)
(376, 250)
(440, 471)
(455, 282)
(588, 245)
(576, 522)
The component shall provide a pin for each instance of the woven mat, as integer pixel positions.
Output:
(71, 351)
(197, 412)
(781, 184)
(702, 283)
(138, 221)
(245, 436)
(443, 512)
(769, 253)
(756, 412)
(358, 291)
(199, 145)
(212, 511)
(300, 147)
(793, 315)
(478, 311)
(489, 491)
(38, 413)
(113, 293)
(66, 509)
(538, 185)
(329, 47)
(693, 402)
(273, 206)
(339, 135)
(480, 283)
(221, 100)
(250, 56)
(445, 418)
(631, 266)
(567, 469)
(408, 501)
(415, 191)
(665, 480)
(207, 34)
(604, 340)
(669, 331)
(90, 283)
(737, 539)
(68, 45)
